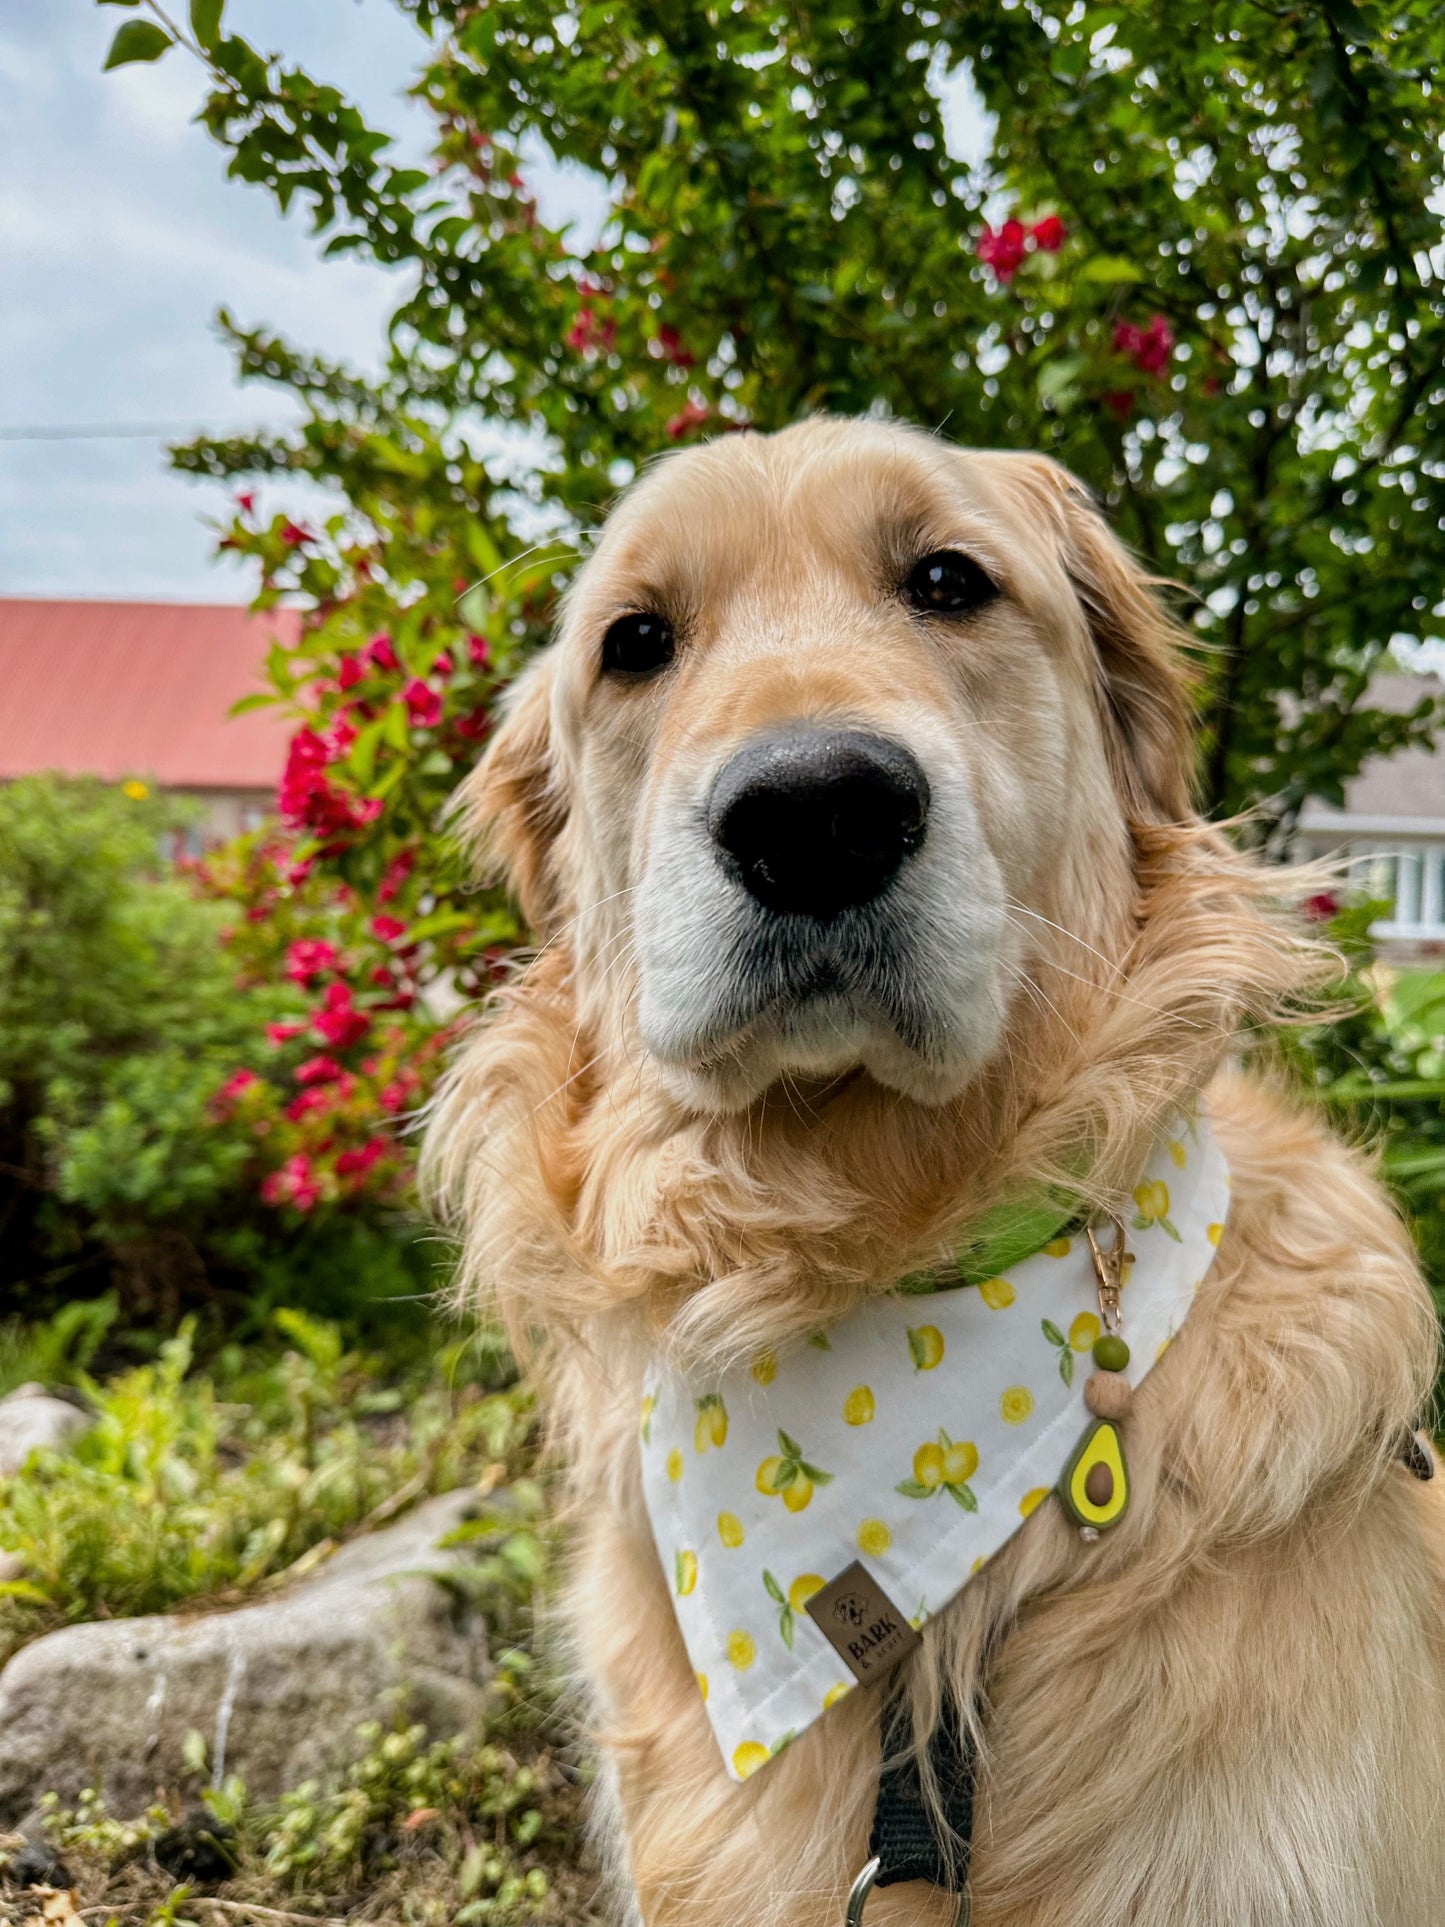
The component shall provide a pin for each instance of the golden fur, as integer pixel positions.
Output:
(1231, 1711)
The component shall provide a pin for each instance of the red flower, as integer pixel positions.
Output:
(443, 666)
(1319, 909)
(350, 672)
(673, 346)
(423, 704)
(393, 1098)
(394, 876)
(234, 1085)
(283, 1033)
(1148, 348)
(1003, 251)
(479, 651)
(308, 957)
(318, 1070)
(308, 1101)
(299, 871)
(693, 415)
(295, 1183)
(587, 333)
(381, 653)
(1120, 402)
(359, 1160)
(294, 536)
(245, 501)
(473, 726)
(339, 1021)
(388, 929)
(1050, 234)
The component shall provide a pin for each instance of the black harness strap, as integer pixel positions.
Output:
(903, 1838)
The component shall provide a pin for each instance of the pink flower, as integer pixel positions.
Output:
(308, 957)
(479, 651)
(443, 665)
(318, 1070)
(393, 1098)
(234, 1085)
(388, 929)
(423, 704)
(295, 536)
(692, 415)
(380, 652)
(245, 501)
(1049, 234)
(350, 671)
(283, 1033)
(1320, 908)
(300, 870)
(1003, 251)
(359, 1160)
(308, 1101)
(588, 333)
(339, 1021)
(295, 1183)
(474, 725)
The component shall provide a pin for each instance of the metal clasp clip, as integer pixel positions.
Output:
(863, 1886)
(1109, 1270)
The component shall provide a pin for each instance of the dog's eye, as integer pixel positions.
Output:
(638, 645)
(947, 584)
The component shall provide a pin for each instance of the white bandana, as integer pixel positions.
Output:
(913, 1437)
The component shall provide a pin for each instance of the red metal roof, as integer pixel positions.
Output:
(139, 689)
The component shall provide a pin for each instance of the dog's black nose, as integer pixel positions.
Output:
(814, 820)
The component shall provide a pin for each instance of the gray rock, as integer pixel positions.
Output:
(32, 1418)
(277, 1688)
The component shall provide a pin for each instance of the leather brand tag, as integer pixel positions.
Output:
(861, 1623)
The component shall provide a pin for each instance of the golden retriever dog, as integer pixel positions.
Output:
(774, 1053)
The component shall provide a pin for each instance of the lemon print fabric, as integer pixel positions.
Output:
(905, 1450)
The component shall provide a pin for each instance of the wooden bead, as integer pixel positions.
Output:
(1108, 1395)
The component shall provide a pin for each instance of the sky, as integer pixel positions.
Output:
(120, 237)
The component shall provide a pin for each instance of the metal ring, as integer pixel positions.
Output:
(863, 1886)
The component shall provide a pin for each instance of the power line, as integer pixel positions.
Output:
(107, 431)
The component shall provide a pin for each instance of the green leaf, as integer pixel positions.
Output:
(775, 1591)
(22, 1589)
(785, 1626)
(1110, 267)
(791, 1447)
(137, 40)
(962, 1495)
(911, 1489)
(1066, 1366)
(1052, 1332)
(815, 1473)
(262, 699)
(206, 20)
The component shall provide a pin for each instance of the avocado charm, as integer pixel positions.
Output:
(1094, 1488)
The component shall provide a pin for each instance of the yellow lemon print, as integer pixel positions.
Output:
(712, 1423)
(789, 1476)
(1059, 1247)
(874, 1537)
(1216, 1232)
(674, 1464)
(685, 1573)
(997, 1293)
(766, 1481)
(858, 1407)
(799, 1495)
(1178, 1153)
(1151, 1202)
(730, 1530)
(1016, 1404)
(1031, 1501)
(644, 1424)
(1083, 1331)
(960, 1462)
(702, 1686)
(749, 1757)
(925, 1347)
(741, 1650)
(928, 1465)
(836, 1693)
(765, 1368)
(803, 1588)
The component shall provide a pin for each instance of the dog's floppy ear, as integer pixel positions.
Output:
(511, 802)
(1145, 684)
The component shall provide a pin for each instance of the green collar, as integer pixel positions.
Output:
(1001, 1239)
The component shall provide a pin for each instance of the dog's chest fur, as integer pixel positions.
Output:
(1230, 1712)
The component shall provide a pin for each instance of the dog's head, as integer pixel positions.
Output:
(839, 724)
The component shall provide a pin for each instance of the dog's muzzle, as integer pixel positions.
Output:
(814, 821)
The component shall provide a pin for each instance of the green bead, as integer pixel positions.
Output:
(1111, 1354)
